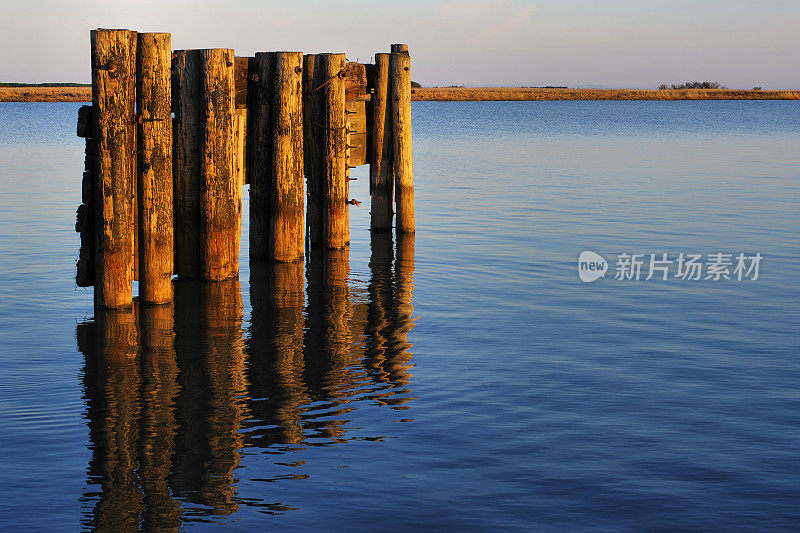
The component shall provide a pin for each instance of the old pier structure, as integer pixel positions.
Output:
(173, 136)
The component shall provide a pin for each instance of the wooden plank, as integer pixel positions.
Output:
(355, 80)
(242, 75)
(357, 120)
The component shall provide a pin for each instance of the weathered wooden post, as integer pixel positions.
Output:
(380, 161)
(154, 172)
(276, 184)
(114, 101)
(312, 148)
(221, 197)
(326, 158)
(400, 74)
(187, 137)
(207, 189)
(335, 186)
(85, 269)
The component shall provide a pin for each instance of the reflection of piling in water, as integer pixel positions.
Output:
(131, 417)
(389, 316)
(380, 299)
(208, 343)
(328, 354)
(159, 428)
(275, 365)
(399, 362)
(113, 380)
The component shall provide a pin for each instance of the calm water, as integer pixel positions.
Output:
(462, 380)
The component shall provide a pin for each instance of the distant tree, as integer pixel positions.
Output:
(693, 85)
(415, 85)
(756, 88)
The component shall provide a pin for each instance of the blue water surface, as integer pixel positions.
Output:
(465, 379)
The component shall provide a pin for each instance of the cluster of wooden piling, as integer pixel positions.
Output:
(175, 392)
(172, 136)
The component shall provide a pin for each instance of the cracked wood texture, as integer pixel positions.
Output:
(381, 173)
(207, 198)
(114, 100)
(221, 192)
(312, 147)
(400, 81)
(154, 173)
(187, 132)
(336, 223)
(276, 186)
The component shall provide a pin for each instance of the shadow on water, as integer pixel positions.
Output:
(176, 393)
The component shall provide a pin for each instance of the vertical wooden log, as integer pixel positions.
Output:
(261, 144)
(187, 132)
(400, 73)
(276, 190)
(114, 100)
(207, 191)
(313, 138)
(336, 226)
(220, 199)
(154, 172)
(381, 173)
(85, 268)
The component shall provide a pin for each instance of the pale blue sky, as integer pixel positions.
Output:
(609, 43)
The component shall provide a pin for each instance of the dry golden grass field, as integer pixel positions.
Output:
(45, 94)
(455, 94)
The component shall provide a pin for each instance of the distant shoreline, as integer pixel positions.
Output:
(478, 94)
(463, 94)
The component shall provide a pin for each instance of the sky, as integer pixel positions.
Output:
(578, 43)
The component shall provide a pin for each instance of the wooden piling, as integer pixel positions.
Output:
(381, 173)
(85, 268)
(207, 192)
(336, 226)
(114, 100)
(154, 171)
(312, 148)
(276, 186)
(325, 150)
(221, 198)
(187, 135)
(400, 74)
